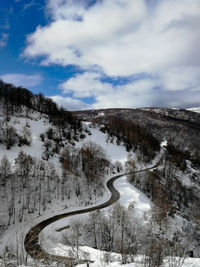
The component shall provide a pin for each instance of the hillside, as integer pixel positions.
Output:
(53, 161)
(47, 163)
(194, 109)
(180, 127)
(177, 181)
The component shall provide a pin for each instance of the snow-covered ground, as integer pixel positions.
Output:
(194, 109)
(114, 152)
(98, 257)
(130, 194)
(38, 124)
(50, 238)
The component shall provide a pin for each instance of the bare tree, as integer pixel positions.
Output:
(93, 223)
(5, 170)
(26, 136)
(9, 136)
(178, 249)
(73, 239)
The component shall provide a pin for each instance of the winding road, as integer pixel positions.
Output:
(31, 243)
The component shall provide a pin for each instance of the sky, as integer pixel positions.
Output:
(91, 54)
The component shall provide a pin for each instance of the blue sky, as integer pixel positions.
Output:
(106, 53)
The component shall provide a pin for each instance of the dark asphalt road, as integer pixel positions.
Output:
(31, 244)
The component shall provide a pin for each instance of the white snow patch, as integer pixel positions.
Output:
(194, 109)
(163, 144)
(115, 152)
(130, 194)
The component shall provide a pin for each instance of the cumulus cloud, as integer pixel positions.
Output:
(122, 38)
(70, 103)
(68, 9)
(93, 41)
(172, 89)
(24, 80)
(119, 36)
(183, 78)
(105, 94)
(86, 85)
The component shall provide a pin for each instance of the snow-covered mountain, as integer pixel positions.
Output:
(45, 167)
(54, 161)
(179, 126)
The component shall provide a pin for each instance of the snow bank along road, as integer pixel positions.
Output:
(31, 244)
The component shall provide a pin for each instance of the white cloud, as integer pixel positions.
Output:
(68, 9)
(86, 85)
(70, 103)
(172, 89)
(181, 78)
(122, 38)
(106, 95)
(85, 42)
(24, 80)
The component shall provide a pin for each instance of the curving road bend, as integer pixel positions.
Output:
(31, 243)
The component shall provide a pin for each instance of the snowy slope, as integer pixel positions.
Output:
(38, 124)
(114, 152)
(194, 109)
(129, 194)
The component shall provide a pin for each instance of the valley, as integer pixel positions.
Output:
(56, 164)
